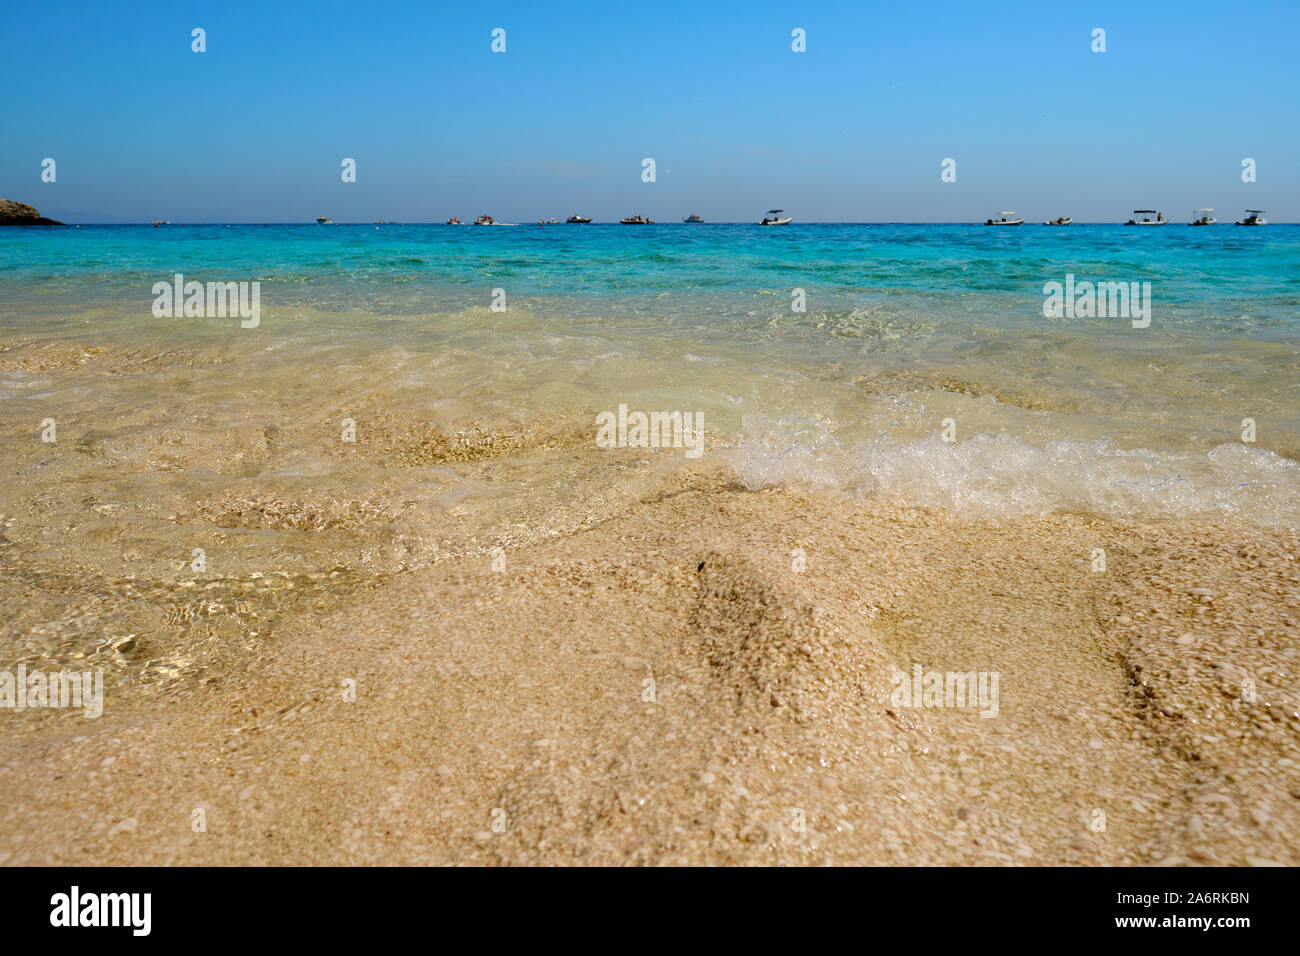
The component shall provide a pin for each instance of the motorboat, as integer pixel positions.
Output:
(1142, 217)
(1059, 221)
(1005, 218)
(324, 220)
(455, 221)
(485, 221)
(775, 217)
(637, 221)
(578, 219)
(1254, 217)
(161, 222)
(1203, 217)
(692, 218)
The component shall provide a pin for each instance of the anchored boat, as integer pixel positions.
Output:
(1005, 218)
(1142, 217)
(578, 219)
(1203, 217)
(323, 220)
(775, 217)
(1254, 217)
(692, 218)
(1059, 221)
(637, 221)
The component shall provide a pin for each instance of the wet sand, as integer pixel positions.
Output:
(519, 697)
(473, 637)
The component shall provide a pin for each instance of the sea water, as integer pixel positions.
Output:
(184, 483)
(825, 354)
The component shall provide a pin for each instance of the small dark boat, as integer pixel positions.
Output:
(637, 221)
(577, 219)
(692, 218)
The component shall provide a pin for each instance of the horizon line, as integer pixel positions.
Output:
(615, 222)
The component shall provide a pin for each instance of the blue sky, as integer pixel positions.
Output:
(854, 129)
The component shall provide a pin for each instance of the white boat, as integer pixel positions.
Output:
(1203, 217)
(776, 217)
(1145, 218)
(1254, 217)
(324, 220)
(1005, 218)
(1059, 221)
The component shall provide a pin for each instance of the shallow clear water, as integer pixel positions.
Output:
(904, 327)
(180, 438)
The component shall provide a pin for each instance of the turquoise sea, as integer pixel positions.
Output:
(1220, 279)
(903, 327)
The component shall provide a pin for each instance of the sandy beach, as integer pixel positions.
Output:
(696, 672)
(932, 580)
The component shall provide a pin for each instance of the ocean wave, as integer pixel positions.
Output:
(1002, 476)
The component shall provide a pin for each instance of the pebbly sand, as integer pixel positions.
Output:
(519, 698)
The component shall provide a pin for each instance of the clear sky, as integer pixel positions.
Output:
(855, 129)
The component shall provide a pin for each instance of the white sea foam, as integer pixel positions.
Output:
(1003, 476)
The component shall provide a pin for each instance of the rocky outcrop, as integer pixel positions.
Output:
(20, 214)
